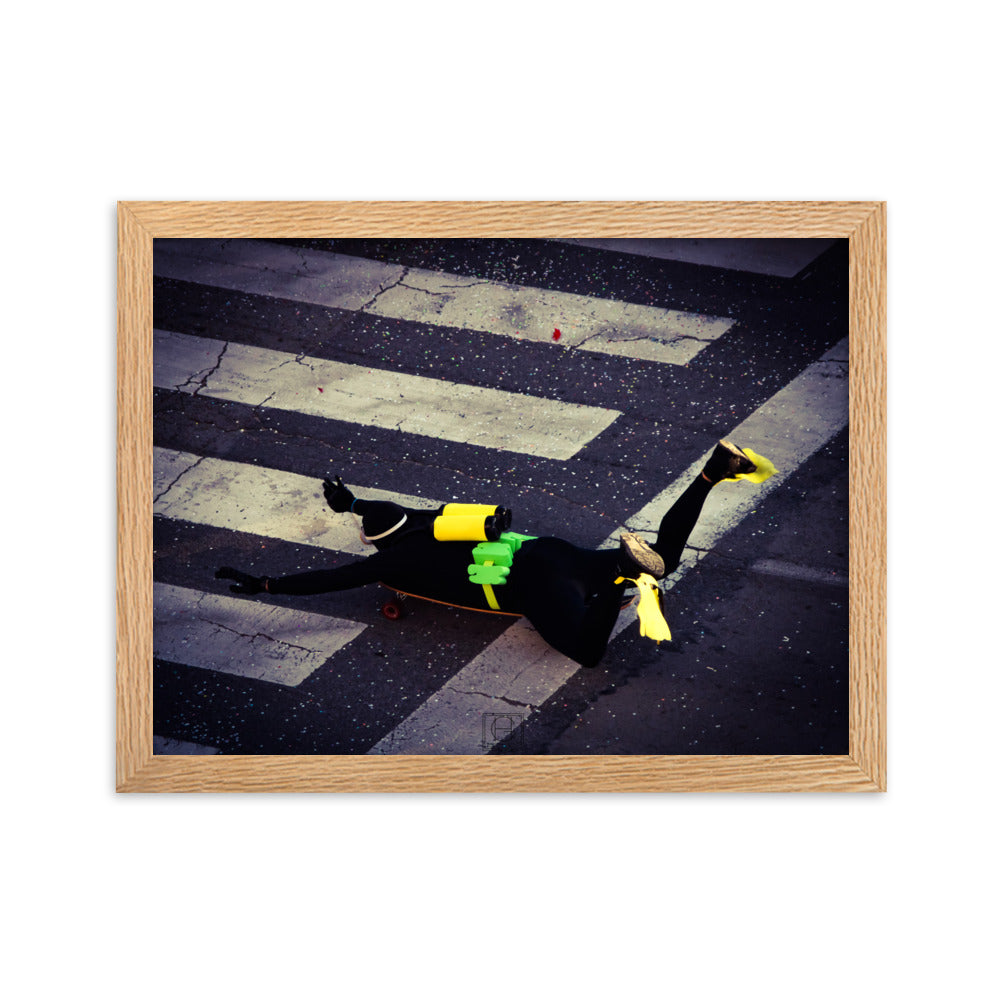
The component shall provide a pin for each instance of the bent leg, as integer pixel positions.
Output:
(726, 463)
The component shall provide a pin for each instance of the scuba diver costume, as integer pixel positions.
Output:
(571, 595)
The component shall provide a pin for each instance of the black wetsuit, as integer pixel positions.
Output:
(566, 592)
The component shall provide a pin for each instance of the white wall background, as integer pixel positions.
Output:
(480, 896)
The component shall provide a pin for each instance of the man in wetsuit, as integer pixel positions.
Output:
(571, 595)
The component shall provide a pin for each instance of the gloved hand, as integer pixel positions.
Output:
(338, 496)
(245, 583)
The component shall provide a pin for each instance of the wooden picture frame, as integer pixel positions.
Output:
(863, 768)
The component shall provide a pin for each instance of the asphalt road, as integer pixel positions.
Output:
(758, 661)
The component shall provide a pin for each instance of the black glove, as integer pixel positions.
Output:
(338, 496)
(245, 583)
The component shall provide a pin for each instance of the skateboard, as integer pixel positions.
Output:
(395, 607)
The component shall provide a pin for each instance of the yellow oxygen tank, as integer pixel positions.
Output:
(465, 528)
(471, 522)
(470, 509)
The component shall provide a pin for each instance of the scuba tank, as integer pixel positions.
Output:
(471, 522)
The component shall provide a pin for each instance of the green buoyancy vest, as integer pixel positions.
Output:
(492, 562)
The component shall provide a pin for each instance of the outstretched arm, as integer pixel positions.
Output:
(320, 581)
(325, 581)
(381, 565)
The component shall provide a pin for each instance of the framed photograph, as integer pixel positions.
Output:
(501, 496)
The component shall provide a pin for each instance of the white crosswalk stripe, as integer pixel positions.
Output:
(248, 638)
(339, 281)
(414, 404)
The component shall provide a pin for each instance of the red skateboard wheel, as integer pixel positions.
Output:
(392, 611)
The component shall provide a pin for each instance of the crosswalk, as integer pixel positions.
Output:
(626, 329)
(248, 418)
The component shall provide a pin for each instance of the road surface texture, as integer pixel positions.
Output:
(580, 383)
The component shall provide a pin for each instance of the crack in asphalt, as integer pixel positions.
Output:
(208, 373)
(400, 282)
(173, 482)
(295, 360)
(614, 339)
(497, 697)
(256, 635)
(382, 289)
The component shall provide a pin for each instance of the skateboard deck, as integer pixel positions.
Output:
(394, 608)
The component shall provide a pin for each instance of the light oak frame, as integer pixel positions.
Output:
(863, 768)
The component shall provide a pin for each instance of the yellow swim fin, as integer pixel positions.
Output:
(765, 468)
(652, 624)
